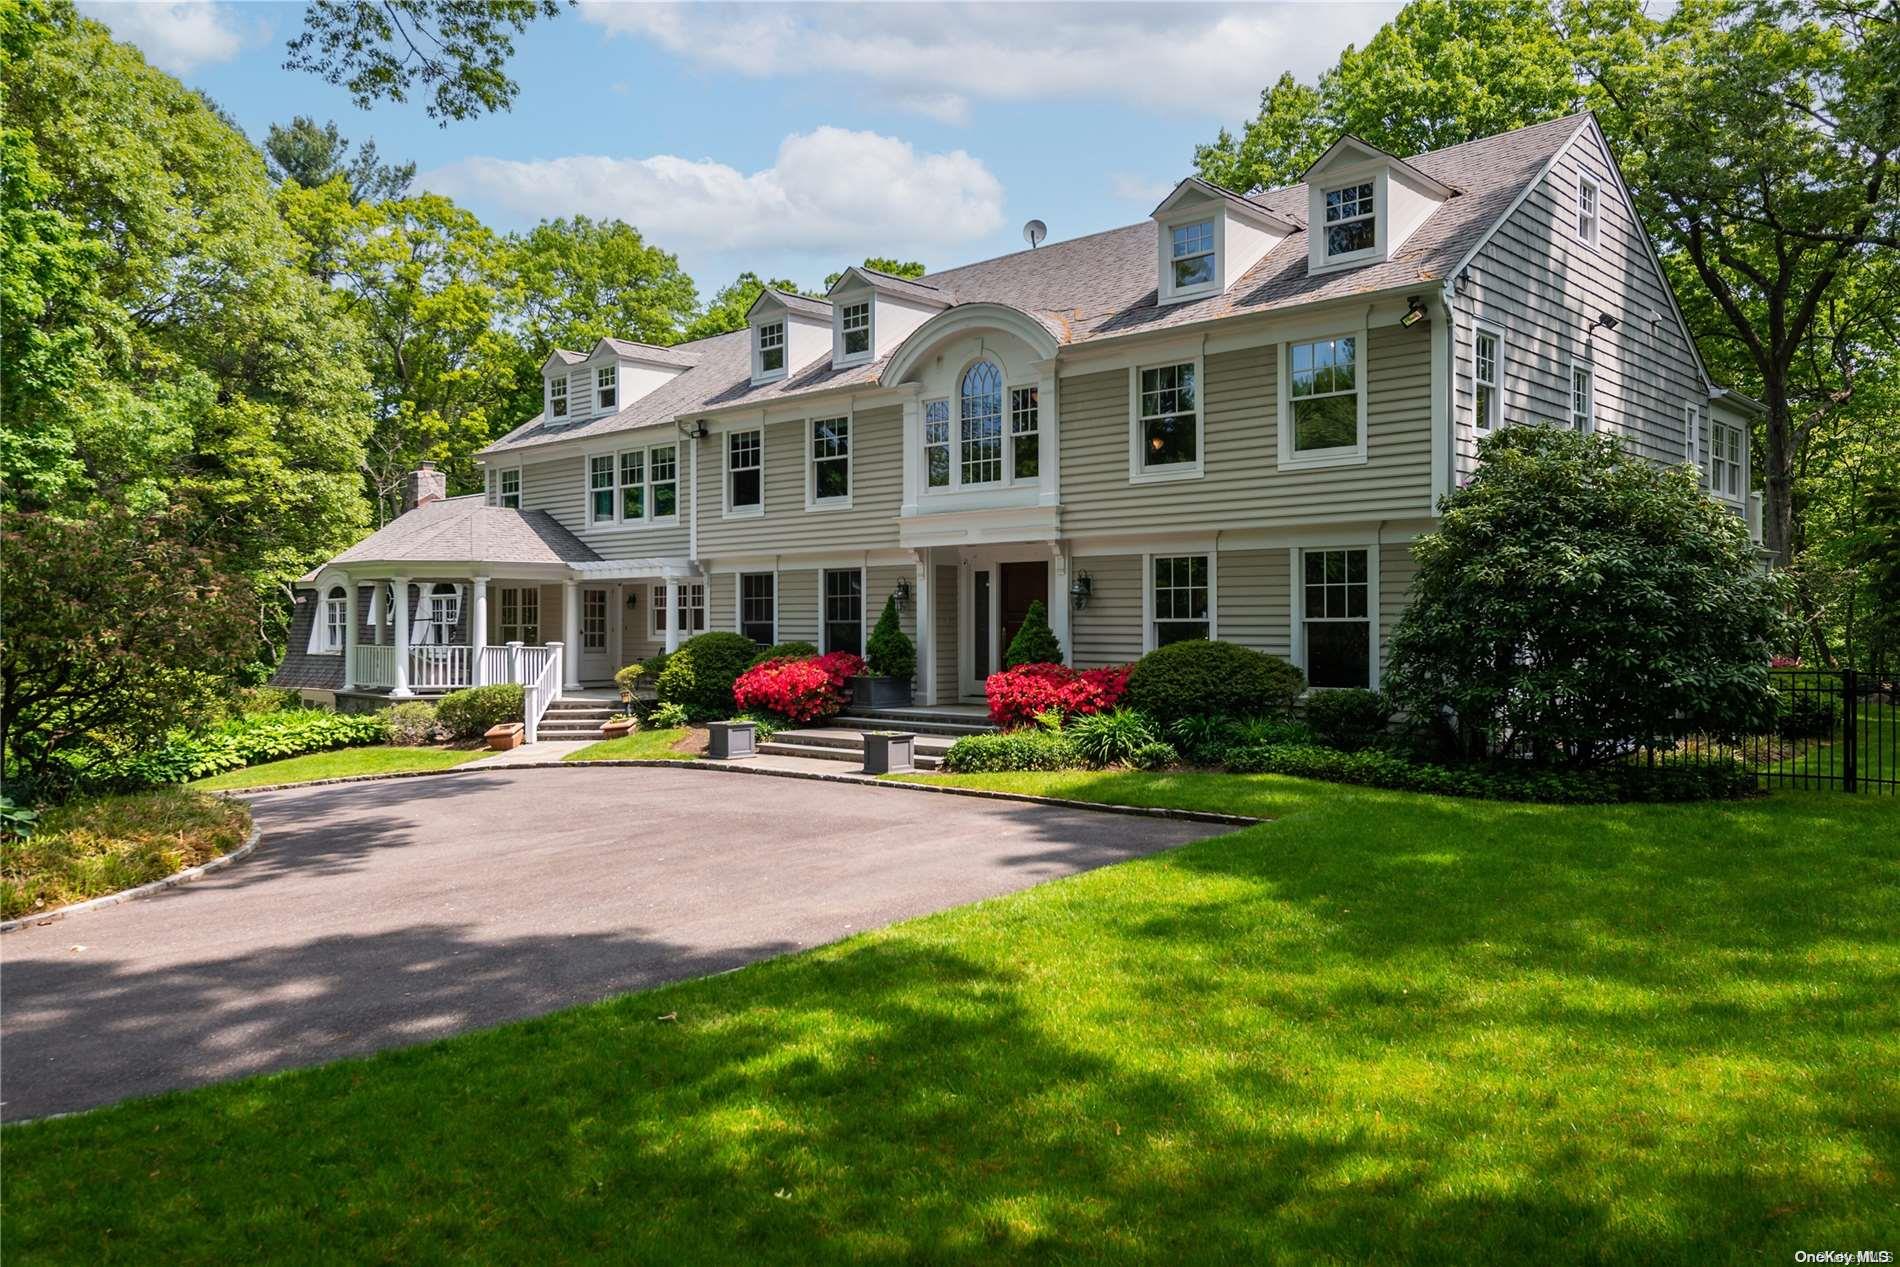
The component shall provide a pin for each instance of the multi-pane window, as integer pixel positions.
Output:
(663, 481)
(445, 611)
(1323, 385)
(336, 619)
(745, 489)
(1193, 246)
(606, 380)
(937, 443)
(508, 488)
(519, 610)
(1350, 223)
(844, 611)
(600, 489)
(593, 620)
(1588, 216)
(1583, 403)
(557, 397)
(1692, 438)
(1725, 460)
(1025, 436)
(758, 602)
(1167, 417)
(772, 348)
(1489, 400)
(1181, 609)
(980, 407)
(1336, 619)
(633, 484)
(691, 613)
(830, 459)
(855, 320)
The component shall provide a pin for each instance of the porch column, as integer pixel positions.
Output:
(926, 629)
(477, 627)
(399, 603)
(1059, 606)
(571, 633)
(349, 632)
(672, 614)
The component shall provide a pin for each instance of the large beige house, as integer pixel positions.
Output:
(1228, 420)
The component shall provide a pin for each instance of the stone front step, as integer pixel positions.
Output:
(575, 719)
(843, 743)
(954, 725)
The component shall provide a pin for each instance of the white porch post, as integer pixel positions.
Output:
(672, 614)
(1059, 607)
(570, 632)
(349, 632)
(477, 628)
(926, 629)
(400, 605)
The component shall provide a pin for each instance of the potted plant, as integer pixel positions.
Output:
(619, 725)
(892, 659)
(506, 735)
(628, 680)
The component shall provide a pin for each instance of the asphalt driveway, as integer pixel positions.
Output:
(381, 914)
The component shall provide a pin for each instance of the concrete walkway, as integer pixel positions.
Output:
(380, 914)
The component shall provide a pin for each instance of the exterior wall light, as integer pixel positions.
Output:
(1081, 589)
(1414, 313)
(902, 594)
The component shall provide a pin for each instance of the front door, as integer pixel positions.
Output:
(1021, 584)
(596, 662)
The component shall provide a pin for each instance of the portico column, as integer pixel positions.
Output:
(672, 614)
(349, 632)
(477, 628)
(400, 604)
(1059, 606)
(926, 630)
(571, 633)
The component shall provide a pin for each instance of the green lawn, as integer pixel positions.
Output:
(1380, 1028)
(98, 845)
(645, 744)
(339, 763)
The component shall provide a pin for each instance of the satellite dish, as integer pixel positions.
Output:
(1034, 232)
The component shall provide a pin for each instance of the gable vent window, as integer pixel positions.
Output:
(557, 397)
(772, 348)
(1193, 254)
(604, 383)
(1351, 226)
(1588, 217)
(856, 322)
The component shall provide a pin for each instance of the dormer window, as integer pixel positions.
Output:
(605, 379)
(772, 348)
(1193, 254)
(854, 321)
(1351, 224)
(557, 397)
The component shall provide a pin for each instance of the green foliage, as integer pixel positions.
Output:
(764, 724)
(93, 847)
(468, 714)
(726, 310)
(412, 723)
(629, 677)
(1203, 740)
(1348, 717)
(311, 156)
(265, 699)
(699, 676)
(1203, 678)
(668, 717)
(1377, 768)
(234, 744)
(785, 651)
(890, 653)
(16, 820)
(1807, 715)
(1574, 600)
(1013, 750)
(1154, 756)
(1111, 738)
(884, 264)
(1035, 642)
(653, 666)
(1252, 731)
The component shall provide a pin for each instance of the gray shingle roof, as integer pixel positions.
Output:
(464, 529)
(685, 355)
(1103, 285)
(903, 287)
(804, 305)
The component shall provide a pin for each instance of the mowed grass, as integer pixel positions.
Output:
(106, 844)
(1380, 1028)
(652, 745)
(340, 763)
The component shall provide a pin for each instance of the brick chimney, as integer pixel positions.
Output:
(424, 485)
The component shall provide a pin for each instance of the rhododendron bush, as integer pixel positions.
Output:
(1017, 695)
(799, 690)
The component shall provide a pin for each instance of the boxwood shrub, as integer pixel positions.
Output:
(1012, 750)
(699, 676)
(1348, 717)
(467, 714)
(1198, 678)
(1379, 768)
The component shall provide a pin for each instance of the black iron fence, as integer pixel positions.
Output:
(1834, 730)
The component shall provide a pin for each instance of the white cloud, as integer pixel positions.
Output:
(1132, 188)
(175, 35)
(829, 190)
(936, 58)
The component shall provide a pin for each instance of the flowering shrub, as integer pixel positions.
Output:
(800, 690)
(1017, 695)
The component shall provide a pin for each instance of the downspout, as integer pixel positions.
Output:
(1448, 296)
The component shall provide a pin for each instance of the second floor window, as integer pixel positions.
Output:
(1725, 460)
(1168, 418)
(937, 443)
(855, 320)
(605, 380)
(772, 348)
(830, 460)
(744, 471)
(1323, 386)
(1351, 226)
(634, 487)
(557, 397)
(980, 404)
(1193, 254)
(1025, 435)
(600, 489)
(1583, 398)
(1488, 400)
(508, 488)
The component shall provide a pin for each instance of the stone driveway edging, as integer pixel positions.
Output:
(218, 863)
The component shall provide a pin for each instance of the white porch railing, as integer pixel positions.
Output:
(374, 666)
(543, 690)
(438, 667)
(451, 666)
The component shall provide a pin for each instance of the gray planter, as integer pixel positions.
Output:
(888, 752)
(880, 692)
(731, 740)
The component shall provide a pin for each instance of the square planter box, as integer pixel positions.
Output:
(731, 740)
(888, 752)
(508, 734)
(880, 692)
(616, 729)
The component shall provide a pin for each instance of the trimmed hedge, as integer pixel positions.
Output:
(785, 651)
(1198, 678)
(237, 743)
(1348, 717)
(411, 723)
(468, 714)
(699, 676)
(1013, 750)
(1376, 768)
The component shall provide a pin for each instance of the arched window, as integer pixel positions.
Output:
(445, 609)
(336, 617)
(980, 401)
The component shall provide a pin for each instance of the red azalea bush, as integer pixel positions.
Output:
(1017, 695)
(798, 690)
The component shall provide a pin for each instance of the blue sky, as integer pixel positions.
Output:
(792, 139)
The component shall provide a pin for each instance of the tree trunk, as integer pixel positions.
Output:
(1778, 473)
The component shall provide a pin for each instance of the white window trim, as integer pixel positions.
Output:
(1365, 255)
(688, 628)
(1716, 454)
(841, 357)
(1166, 291)
(1496, 423)
(566, 397)
(824, 632)
(620, 520)
(501, 472)
(807, 431)
(759, 373)
(1570, 397)
(1010, 433)
(319, 642)
(501, 628)
(726, 509)
(1290, 459)
(957, 482)
(600, 408)
(738, 600)
(1692, 438)
(1595, 236)
(1148, 592)
(1137, 472)
(1296, 561)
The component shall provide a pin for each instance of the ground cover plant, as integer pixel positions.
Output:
(89, 848)
(244, 740)
(1378, 1027)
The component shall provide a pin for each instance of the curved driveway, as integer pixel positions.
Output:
(379, 914)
